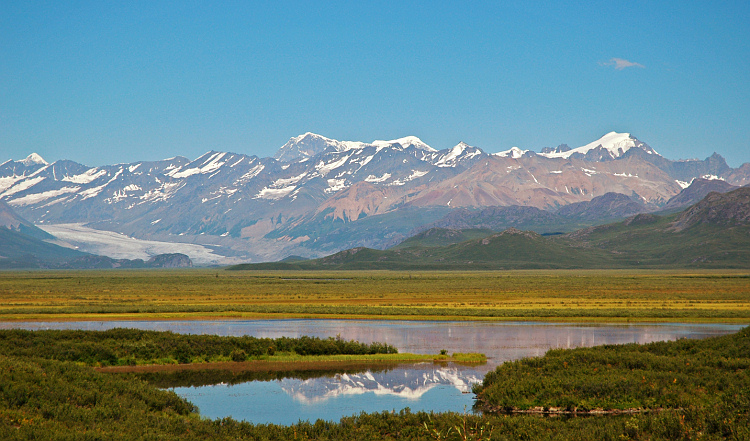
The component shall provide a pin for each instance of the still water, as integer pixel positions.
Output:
(419, 387)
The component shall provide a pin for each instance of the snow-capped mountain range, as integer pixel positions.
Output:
(318, 195)
(308, 145)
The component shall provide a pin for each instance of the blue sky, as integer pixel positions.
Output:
(106, 82)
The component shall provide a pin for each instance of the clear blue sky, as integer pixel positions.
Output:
(121, 81)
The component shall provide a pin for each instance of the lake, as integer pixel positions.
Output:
(424, 386)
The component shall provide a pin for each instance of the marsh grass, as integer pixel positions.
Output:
(680, 375)
(131, 347)
(694, 389)
(609, 295)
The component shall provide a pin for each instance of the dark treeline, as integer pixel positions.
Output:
(132, 346)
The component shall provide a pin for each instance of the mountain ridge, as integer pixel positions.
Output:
(260, 209)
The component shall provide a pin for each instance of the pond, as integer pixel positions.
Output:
(425, 386)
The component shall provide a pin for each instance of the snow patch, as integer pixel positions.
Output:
(416, 174)
(253, 172)
(184, 174)
(9, 181)
(25, 185)
(211, 164)
(335, 185)
(324, 168)
(91, 192)
(274, 193)
(375, 179)
(285, 182)
(87, 177)
(164, 192)
(39, 197)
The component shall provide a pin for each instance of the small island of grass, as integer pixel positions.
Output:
(133, 350)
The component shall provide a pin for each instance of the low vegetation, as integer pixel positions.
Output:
(120, 347)
(686, 374)
(690, 389)
(705, 295)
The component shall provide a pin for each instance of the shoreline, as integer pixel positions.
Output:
(276, 365)
(61, 318)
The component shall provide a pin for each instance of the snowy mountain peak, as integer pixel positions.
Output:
(514, 153)
(616, 144)
(34, 159)
(305, 146)
(406, 141)
(311, 144)
(310, 136)
(459, 153)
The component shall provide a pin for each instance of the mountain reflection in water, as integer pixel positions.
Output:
(420, 387)
(287, 397)
(408, 383)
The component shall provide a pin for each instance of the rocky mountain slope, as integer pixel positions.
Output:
(320, 195)
(697, 190)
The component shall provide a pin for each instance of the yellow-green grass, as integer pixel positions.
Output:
(561, 295)
(300, 362)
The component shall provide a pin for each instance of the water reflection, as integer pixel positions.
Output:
(421, 387)
(285, 399)
(410, 383)
(500, 341)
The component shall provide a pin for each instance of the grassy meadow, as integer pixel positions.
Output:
(63, 385)
(560, 295)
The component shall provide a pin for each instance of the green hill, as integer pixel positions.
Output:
(715, 233)
(440, 237)
(510, 249)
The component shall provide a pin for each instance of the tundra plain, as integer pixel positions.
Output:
(554, 295)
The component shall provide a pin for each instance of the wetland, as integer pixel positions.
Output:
(562, 341)
(289, 390)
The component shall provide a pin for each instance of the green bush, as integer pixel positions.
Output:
(238, 355)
